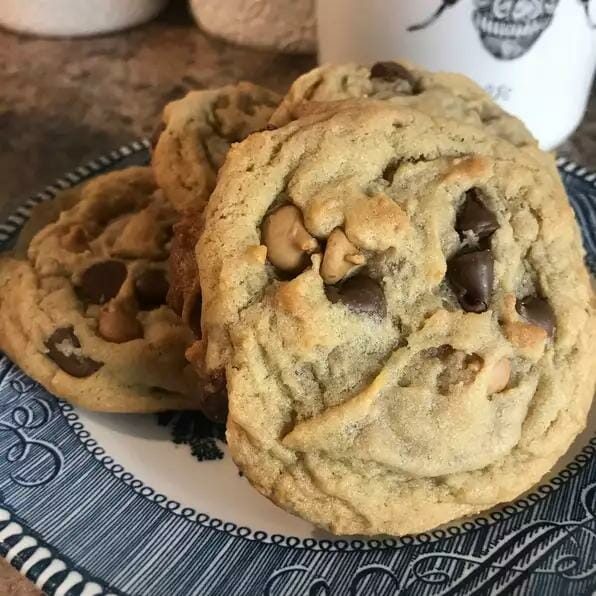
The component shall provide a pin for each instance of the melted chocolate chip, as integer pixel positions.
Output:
(119, 326)
(222, 102)
(213, 398)
(64, 349)
(360, 294)
(151, 288)
(474, 216)
(393, 71)
(537, 311)
(389, 171)
(102, 281)
(215, 407)
(471, 277)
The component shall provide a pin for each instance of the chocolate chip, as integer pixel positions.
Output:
(289, 244)
(64, 349)
(360, 294)
(222, 102)
(119, 325)
(471, 277)
(442, 352)
(474, 216)
(212, 396)
(102, 281)
(246, 104)
(151, 288)
(537, 311)
(393, 71)
(154, 138)
(215, 406)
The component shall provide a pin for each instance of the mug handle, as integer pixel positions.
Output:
(433, 17)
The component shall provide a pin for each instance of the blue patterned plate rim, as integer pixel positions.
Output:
(32, 549)
(204, 519)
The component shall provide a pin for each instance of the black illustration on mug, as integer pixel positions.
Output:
(586, 5)
(507, 28)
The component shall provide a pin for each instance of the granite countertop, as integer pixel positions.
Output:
(64, 102)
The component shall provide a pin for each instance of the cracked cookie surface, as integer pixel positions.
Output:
(82, 299)
(196, 134)
(403, 314)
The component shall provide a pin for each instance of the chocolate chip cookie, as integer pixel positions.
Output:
(190, 145)
(195, 134)
(184, 293)
(82, 303)
(403, 315)
(438, 94)
(184, 296)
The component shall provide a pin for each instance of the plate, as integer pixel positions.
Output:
(104, 504)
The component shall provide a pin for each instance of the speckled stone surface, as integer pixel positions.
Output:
(65, 102)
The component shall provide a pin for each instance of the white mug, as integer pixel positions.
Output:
(535, 57)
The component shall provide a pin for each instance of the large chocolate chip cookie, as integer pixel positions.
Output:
(403, 316)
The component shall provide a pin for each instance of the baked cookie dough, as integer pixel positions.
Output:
(82, 302)
(196, 133)
(403, 315)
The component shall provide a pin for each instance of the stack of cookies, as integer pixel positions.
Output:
(376, 281)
